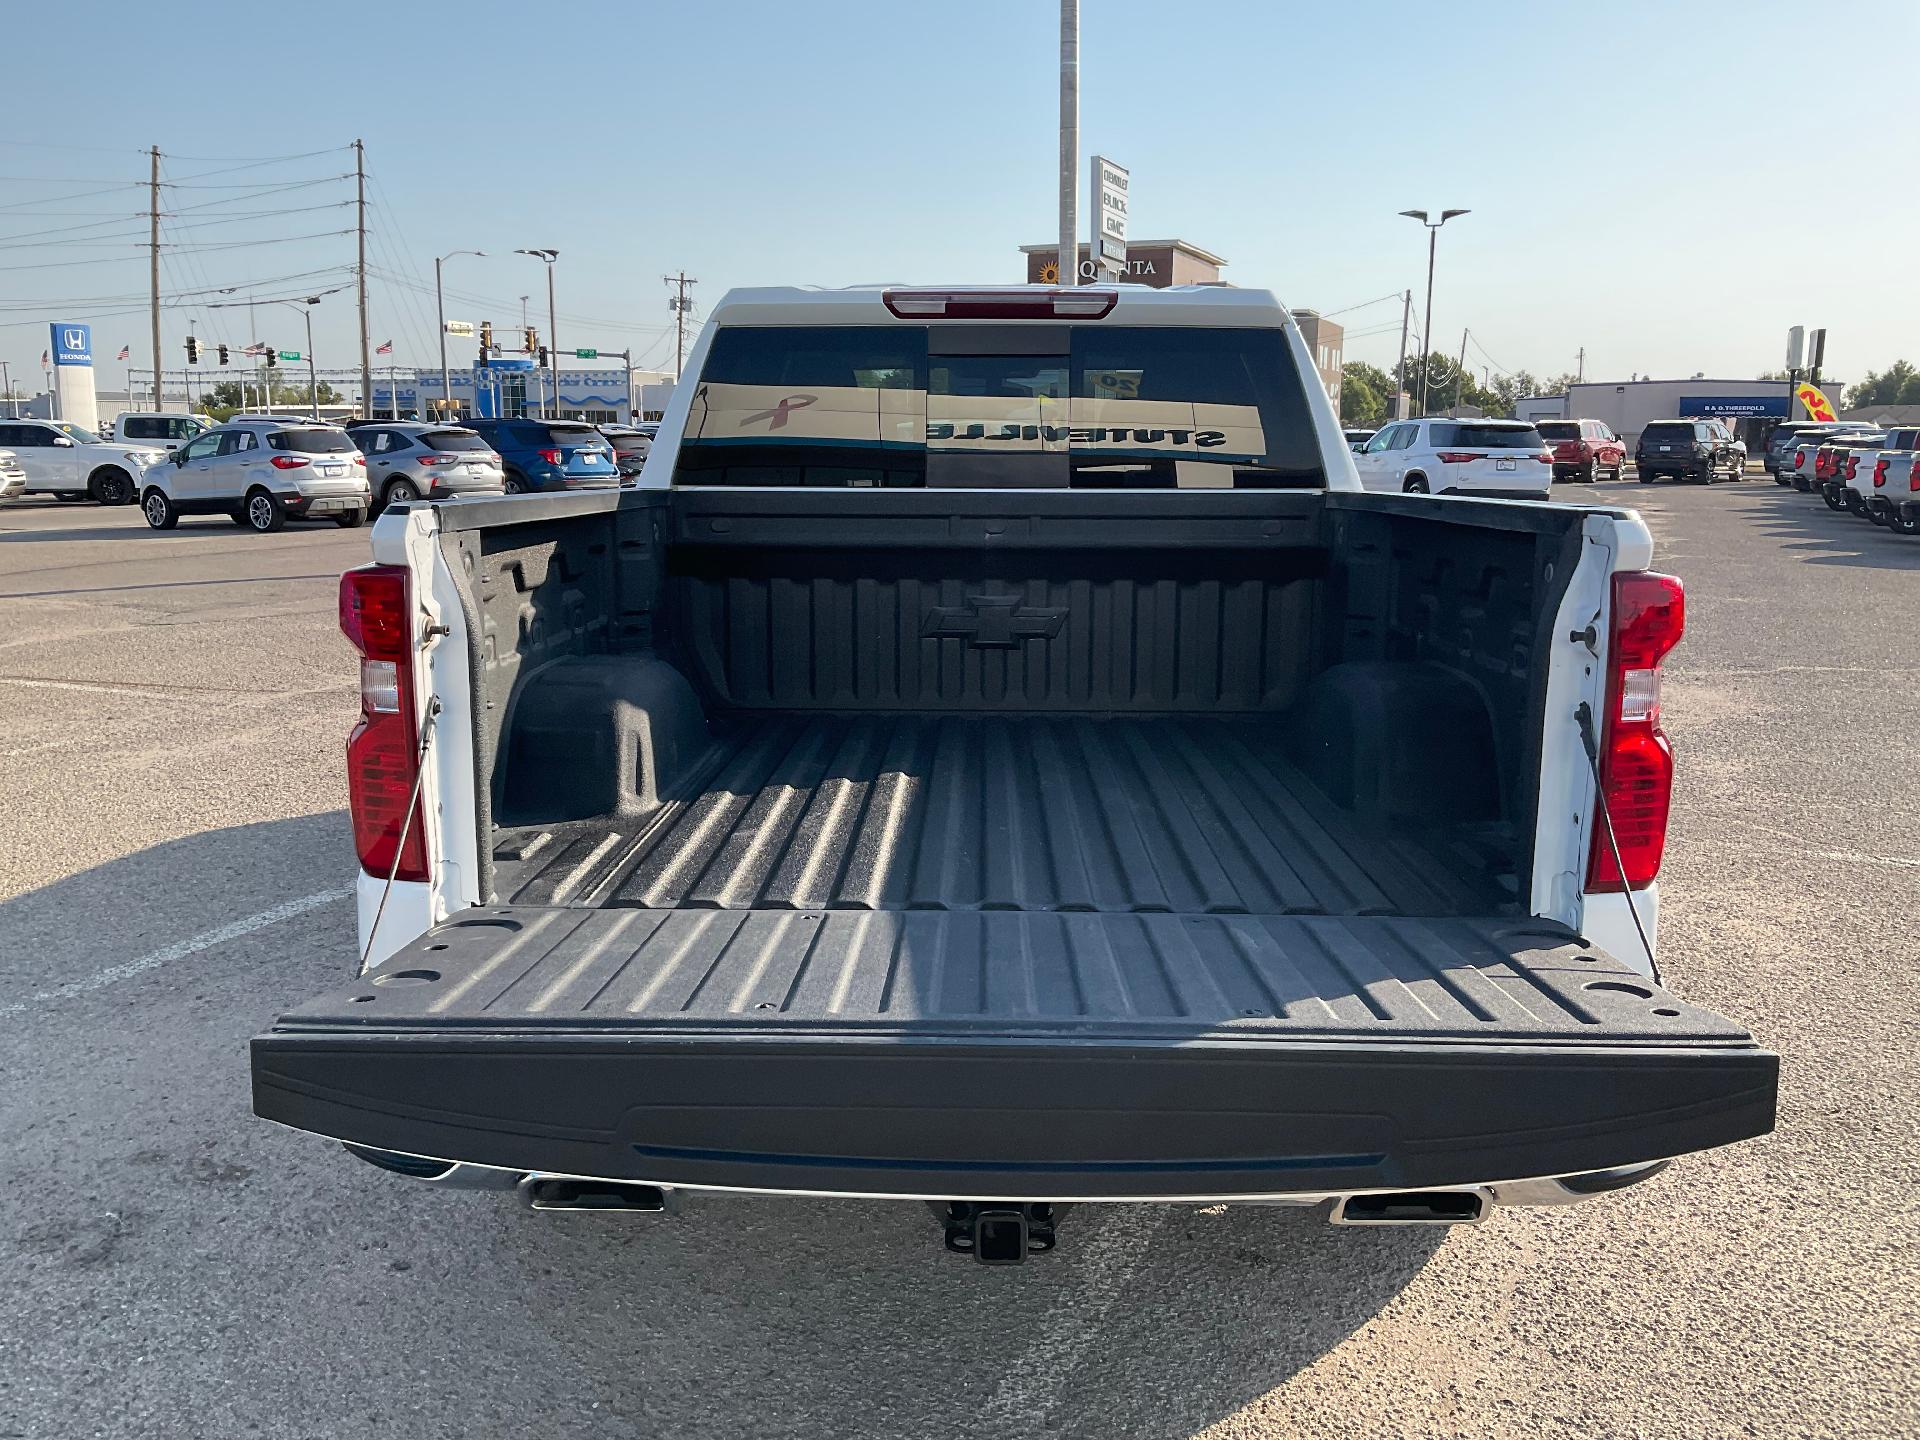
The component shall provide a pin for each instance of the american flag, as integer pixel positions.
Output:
(386, 349)
(126, 352)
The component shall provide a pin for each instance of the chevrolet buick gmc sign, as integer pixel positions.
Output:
(72, 344)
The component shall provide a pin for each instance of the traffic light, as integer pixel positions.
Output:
(273, 358)
(486, 337)
(193, 351)
(223, 354)
(543, 355)
(533, 339)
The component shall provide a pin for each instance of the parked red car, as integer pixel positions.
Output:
(1583, 449)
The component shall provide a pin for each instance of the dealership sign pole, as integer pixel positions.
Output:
(1067, 268)
(1107, 204)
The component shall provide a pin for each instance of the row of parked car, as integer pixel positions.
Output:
(1871, 471)
(262, 470)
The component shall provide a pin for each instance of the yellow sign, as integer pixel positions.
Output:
(1818, 406)
(1050, 273)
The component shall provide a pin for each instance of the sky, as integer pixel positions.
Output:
(1632, 169)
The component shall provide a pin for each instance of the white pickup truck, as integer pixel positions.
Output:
(997, 756)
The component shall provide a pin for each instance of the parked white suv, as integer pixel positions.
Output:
(74, 463)
(1437, 456)
(168, 430)
(261, 474)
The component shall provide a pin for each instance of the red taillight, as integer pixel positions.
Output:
(1636, 762)
(441, 459)
(1077, 303)
(1545, 457)
(359, 459)
(1852, 466)
(1799, 457)
(287, 462)
(1457, 457)
(1880, 474)
(383, 752)
(552, 457)
(1913, 473)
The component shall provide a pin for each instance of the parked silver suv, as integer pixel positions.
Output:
(261, 474)
(411, 460)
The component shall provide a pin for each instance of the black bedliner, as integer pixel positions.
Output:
(1011, 1053)
(1018, 812)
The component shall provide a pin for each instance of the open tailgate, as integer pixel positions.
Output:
(1013, 1054)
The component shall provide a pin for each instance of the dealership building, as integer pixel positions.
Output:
(1751, 408)
(510, 386)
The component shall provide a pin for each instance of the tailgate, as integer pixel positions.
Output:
(985, 1054)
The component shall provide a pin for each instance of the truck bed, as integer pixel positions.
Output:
(1179, 815)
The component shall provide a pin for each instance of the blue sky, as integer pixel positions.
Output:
(1626, 164)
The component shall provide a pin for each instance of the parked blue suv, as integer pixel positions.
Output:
(550, 454)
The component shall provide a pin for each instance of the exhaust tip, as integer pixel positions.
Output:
(1412, 1207)
(551, 1192)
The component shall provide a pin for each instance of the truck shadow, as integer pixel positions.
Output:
(1807, 528)
(847, 1318)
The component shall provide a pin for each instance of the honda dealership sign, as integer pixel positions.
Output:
(72, 350)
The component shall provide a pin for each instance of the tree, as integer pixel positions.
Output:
(1366, 394)
(228, 398)
(1560, 384)
(1898, 384)
(1447, 385)
(1506, 390)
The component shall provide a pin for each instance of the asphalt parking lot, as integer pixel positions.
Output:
(173, 871)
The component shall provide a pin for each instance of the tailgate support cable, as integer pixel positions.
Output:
(1584, 715)
(406, 824)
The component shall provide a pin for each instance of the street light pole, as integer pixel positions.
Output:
(440, 306)
(1426, 333)
(553, 330)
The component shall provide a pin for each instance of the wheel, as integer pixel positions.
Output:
(1646, 477)
(1904, 524)
(1415, 485)
(1834, 500)
(1783, 481)
(263, 513)
(399, 492)
(515, 485)
(1878, 517)
(1590, 472)
(112, 486)
(352, 520)
(159, 510)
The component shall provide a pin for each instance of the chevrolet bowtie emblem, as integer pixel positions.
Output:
(994, 620)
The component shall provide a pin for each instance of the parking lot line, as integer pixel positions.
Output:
(179, 950)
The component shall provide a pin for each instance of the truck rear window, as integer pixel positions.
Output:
(986, 405)
(1669, 430)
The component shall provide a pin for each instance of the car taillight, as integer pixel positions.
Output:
(1879, 474)
(383, 752)
(359, 459)
(440, 459)
(287, 462)
(1636, 762)
(1457, 457)
(1799, 457)
(1081, 302)
(1545, 457)
(552, 457)
(1913, 474)
(1853, 466)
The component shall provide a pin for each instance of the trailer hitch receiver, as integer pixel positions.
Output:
(998, 1233)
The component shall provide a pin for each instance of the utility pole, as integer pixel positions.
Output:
(680, 305)
(1581, 374)
(153, 266)
(13, 401)
(1460, 376)
(360, 270)
(1400, 371)
(1068, 268)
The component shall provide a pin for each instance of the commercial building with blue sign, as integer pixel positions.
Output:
(509, 386)
(1750, 407)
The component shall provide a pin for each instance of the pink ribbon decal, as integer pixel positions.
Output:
(778, 415)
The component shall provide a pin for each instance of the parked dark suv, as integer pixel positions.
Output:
(1782, 439)
(549, 454)
(1687, 449)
